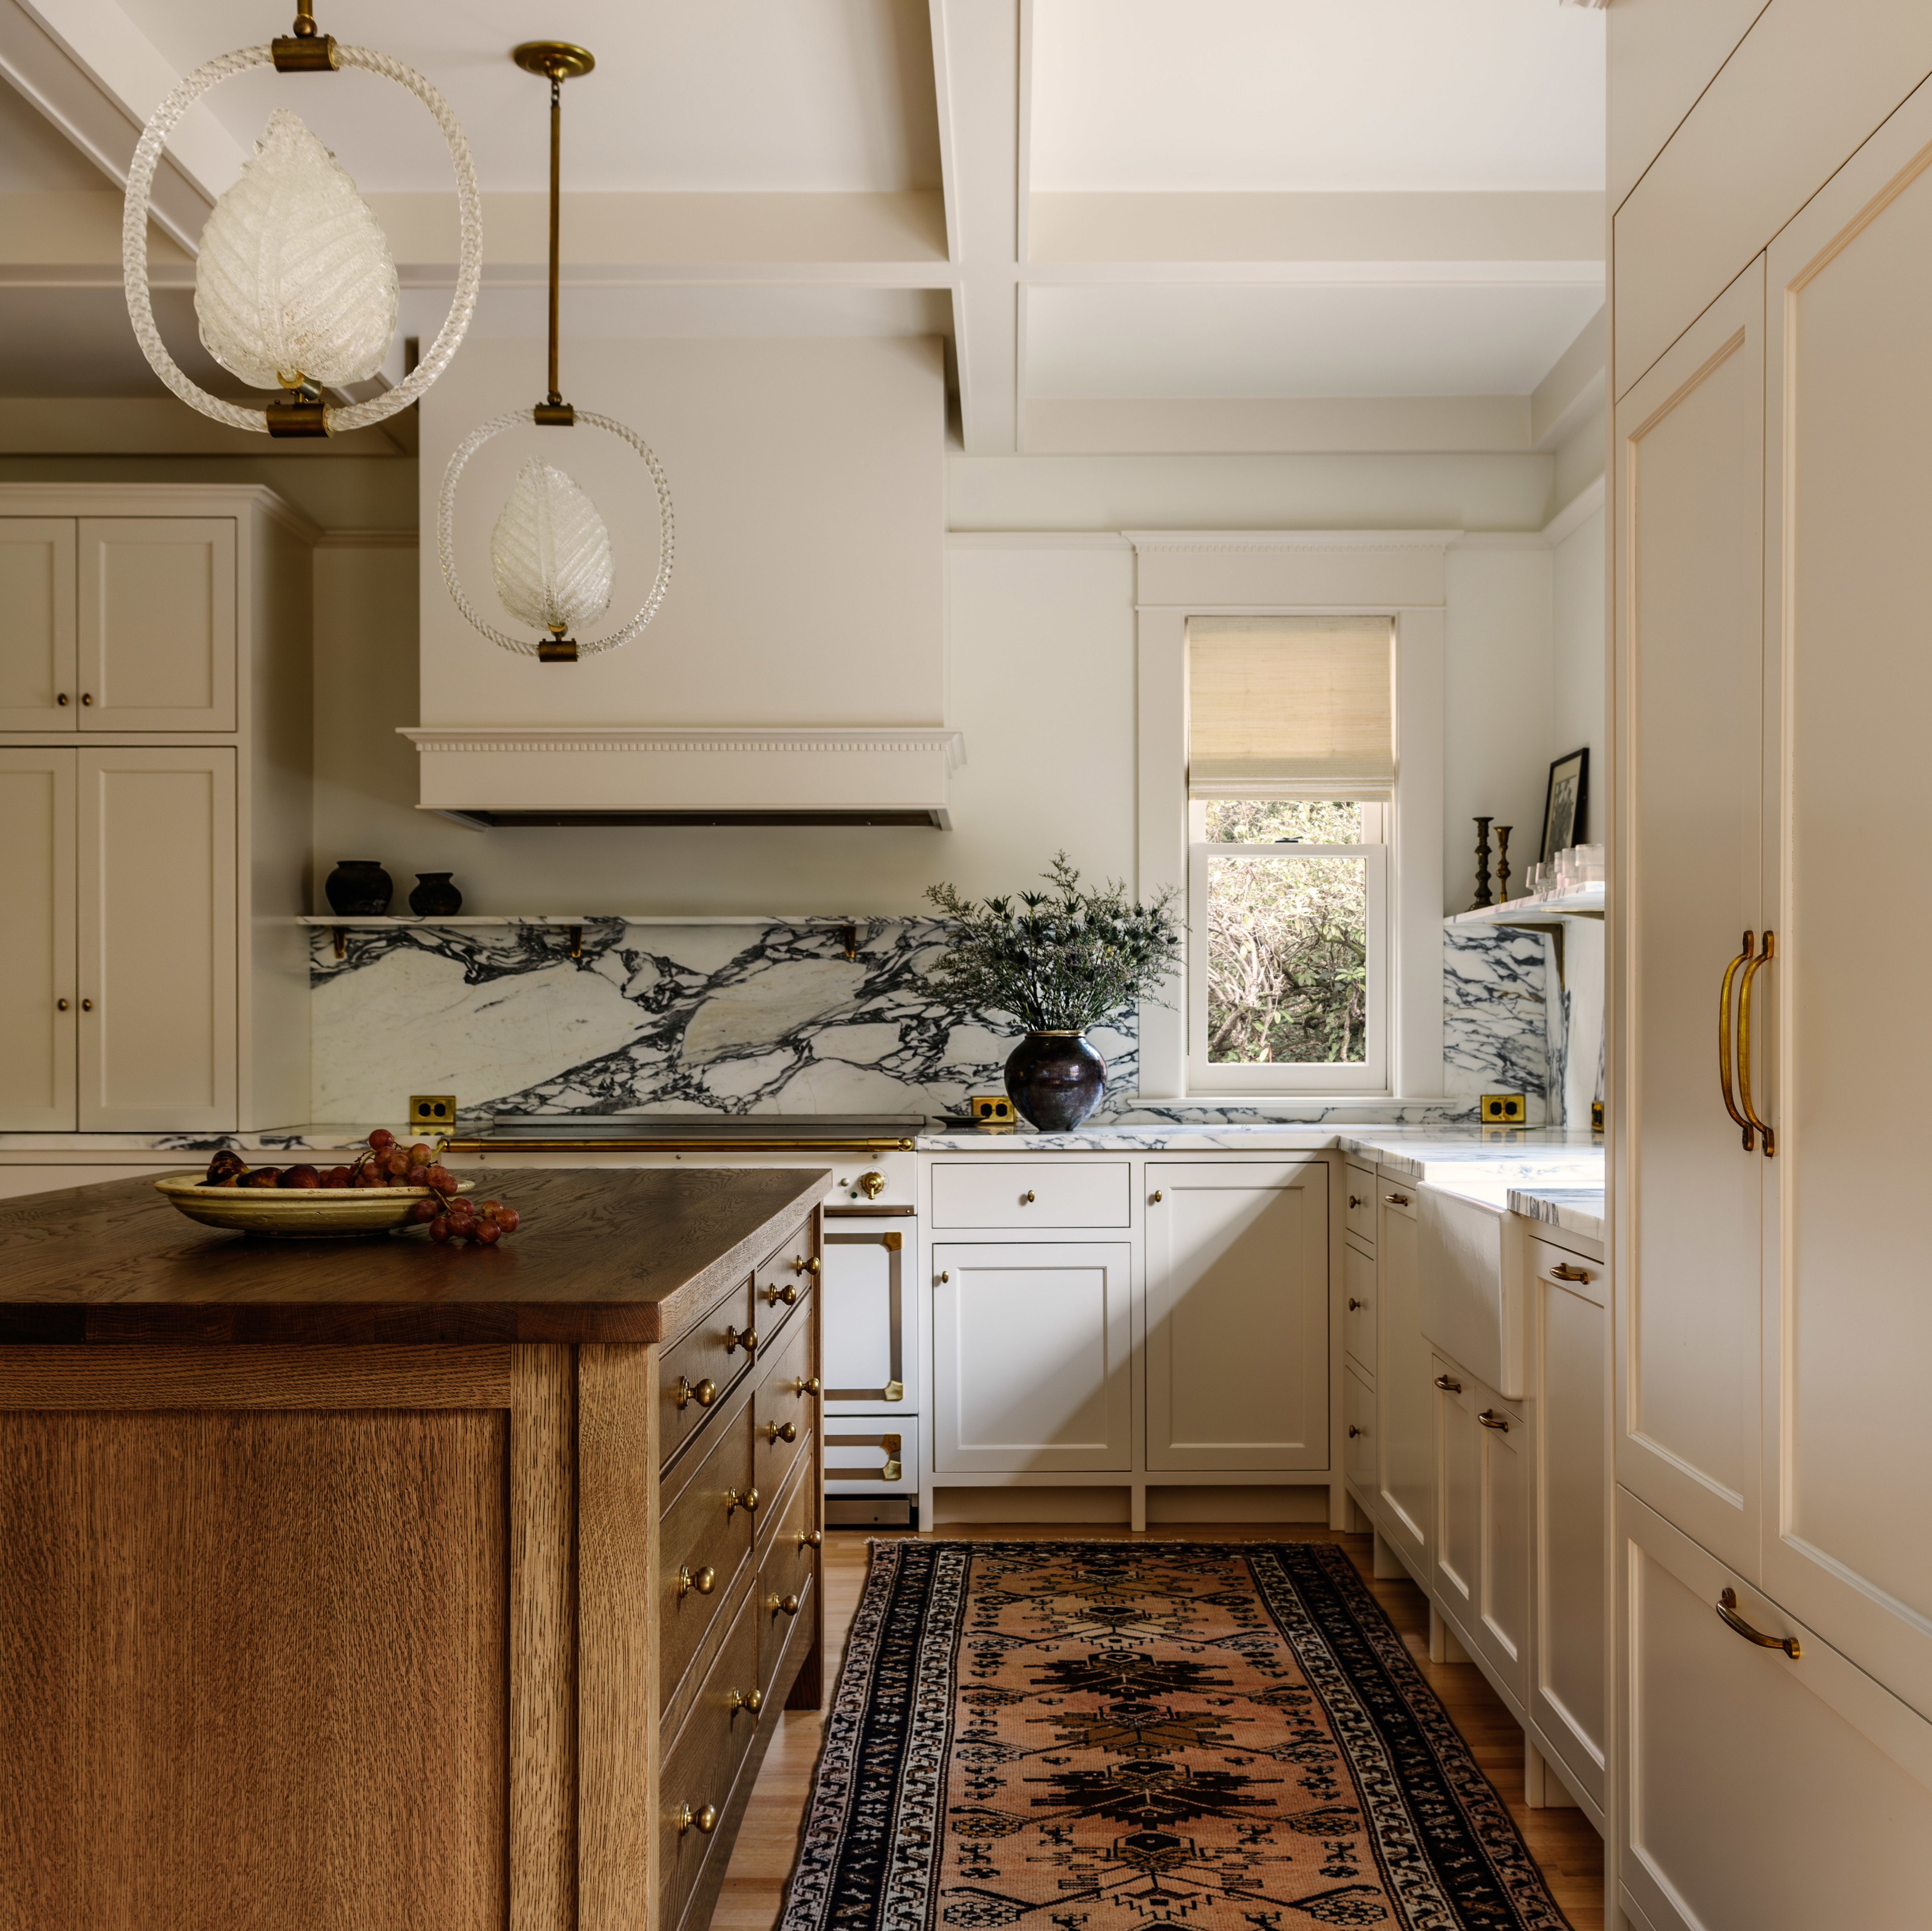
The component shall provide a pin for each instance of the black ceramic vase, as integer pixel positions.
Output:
(434, 897)
(1056, 1079)
(359, 888)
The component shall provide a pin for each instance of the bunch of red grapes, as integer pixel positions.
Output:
(450, 1215)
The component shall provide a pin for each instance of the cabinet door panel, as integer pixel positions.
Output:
(37, 962)
(1358, 1448)
(1404, 1402)
(1237, 1316)
(38, 690)
(1847, 1322)
(871, 1337)
(1358, 1317)
(1501, 1627)
(1762, 1792)
(1030, 1358)
(157, 940)
(157, 623)
(1458, 1492)
(1690, 453)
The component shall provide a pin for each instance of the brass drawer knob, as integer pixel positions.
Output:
(704, 1582)
(781, 1431)
(1026, 1198)
(1448, 1385)
(805, 1385)
(706, 1820)
(786, 1293)
(748, 1501)
(734, 1340)
(704, 1394)
(1490, 1419)
(753, 1700)
(1356, 1202)
(789, 1604)
(1353, 1431)
(802, 1264)
(809, 1538)
(1564, 1272)
(1353, 1304)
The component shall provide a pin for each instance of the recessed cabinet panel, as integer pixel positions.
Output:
(37, 960)
(1358, 1319)
(156, 939)
(1358, 1446)
(1238, 1316)
(157, 623)
(1031, 1348)
(1404, 1401)
(1020, 1194)
(37, 691)
(1459, 1492)
(1501, 1628)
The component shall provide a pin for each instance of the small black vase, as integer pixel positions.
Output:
(1056, 1079)
(359, 888)
(434, 897)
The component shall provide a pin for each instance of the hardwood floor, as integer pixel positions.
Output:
(1562, 1842)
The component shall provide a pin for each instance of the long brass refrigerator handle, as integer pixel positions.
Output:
(1751, 972)
(1724, 1036)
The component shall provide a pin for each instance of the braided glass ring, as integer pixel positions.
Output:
(445, 529)
(134, 241)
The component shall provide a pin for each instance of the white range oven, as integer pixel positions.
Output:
(873, 1370)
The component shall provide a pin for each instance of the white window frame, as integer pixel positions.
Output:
(1370, 1074)
(1396, 574)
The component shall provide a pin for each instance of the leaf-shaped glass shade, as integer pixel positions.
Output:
(550, 552)
(294, 277)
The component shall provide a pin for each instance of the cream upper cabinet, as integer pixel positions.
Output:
(38, 691)
(157, 938)
(157, 649)
(1689, 595)
(37, 962)
(1405, 1400)
(1847, 1028)
(1237, 1367)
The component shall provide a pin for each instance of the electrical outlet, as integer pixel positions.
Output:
(1596, 1116)
(436, 1111)
(1503, 1109)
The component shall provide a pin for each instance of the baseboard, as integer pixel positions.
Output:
(1222, 1503)
(1103, 1505)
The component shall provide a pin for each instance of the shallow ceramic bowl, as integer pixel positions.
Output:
(297, 1213)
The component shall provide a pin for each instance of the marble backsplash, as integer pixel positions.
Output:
(773, 1017)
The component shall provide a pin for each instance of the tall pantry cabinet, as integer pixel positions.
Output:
(155, 700)
(1773, 1438)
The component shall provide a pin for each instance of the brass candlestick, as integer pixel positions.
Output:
(1502, 862)
(1482, 897)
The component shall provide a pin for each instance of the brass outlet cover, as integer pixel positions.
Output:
(1503, 1109)
(436, 1110)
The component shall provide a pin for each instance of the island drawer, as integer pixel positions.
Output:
(791, 1271)
(694, 1372)
(782, 1416)
(1029, 1193)
(704, 1541)
(790, 1576)
(694, 1787)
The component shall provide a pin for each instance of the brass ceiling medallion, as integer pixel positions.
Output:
(550, 552)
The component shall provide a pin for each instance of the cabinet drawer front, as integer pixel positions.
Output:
(1358, 1306)
(778, 1406)
(704, 1530)
(1029, 1193)
(871, 1454)
(702, 1358)
(1358, 1445)
(702, 1763)
(1587, 1278)
(791, 1271)
(787, 1572)
(1358, 1192)
(1396, 1196)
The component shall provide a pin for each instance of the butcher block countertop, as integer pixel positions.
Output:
(603, 1254)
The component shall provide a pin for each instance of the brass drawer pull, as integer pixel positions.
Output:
(781, 1431)
(786, 1293)
(1765, 953)
(1490, 1419)
(706, 1820)
(1396, 1199)
(753, 1700)
(805, 1385)
(748, 1501)
(1448, 1386)
(1355, 1200)
(1563, 1271)
(1353, 1431)
(809, 1538)
(734, 1340)
(789, 1604)
(1727, 1608)
(800, 1265)
(1355, 1305)
(704, 1582)
(704, 1394)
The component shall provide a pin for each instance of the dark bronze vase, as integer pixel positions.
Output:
(1056, 1079)
(434, 897)
(359, 888)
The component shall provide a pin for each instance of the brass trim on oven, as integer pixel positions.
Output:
(893, 1241)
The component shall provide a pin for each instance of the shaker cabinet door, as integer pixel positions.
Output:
(38, 690)
(156, 624)
(37, 984)
(1238, 1316)
(157, 889)
(1404, 1399)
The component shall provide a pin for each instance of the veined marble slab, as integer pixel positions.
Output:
(1576, 1209)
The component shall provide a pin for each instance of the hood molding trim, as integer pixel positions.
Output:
(952, 743)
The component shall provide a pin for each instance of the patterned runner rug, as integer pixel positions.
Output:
(1144, 1737)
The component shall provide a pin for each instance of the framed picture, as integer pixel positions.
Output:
(1565, 805)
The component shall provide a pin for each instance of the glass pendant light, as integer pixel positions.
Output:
(294, 287)
(550, 553)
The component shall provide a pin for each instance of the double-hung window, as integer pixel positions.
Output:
(1290, 772)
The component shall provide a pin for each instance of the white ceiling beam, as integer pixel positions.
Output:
(1324, 425)
(1574, 390)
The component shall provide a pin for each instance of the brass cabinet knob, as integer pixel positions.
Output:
(706, 1819)
(1564, 1271)
(704, 1582)
(805, 1385)
(944, 1278)
(87, 1006)
(704, 1394)
(781, 1431)
(872, 1184)
(789, 1604)
(809, 1538)
(60, 698)
(786, 1293)
(1154, 1197)
(1490, 1419)
(805, 1264)
(1355, 1200)
(1353, 1304)
(1353, 1431)
(753, 1700)
(1447, 1385)
(734, 1340)
(748, 1501)
(87, 697)
(60, 1005)
(1026, 1198)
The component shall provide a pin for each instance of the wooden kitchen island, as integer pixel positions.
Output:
(370, 1585)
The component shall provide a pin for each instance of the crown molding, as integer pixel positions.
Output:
(1210, 539)
(607, 739)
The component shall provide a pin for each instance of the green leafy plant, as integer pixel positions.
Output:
(1058, 960)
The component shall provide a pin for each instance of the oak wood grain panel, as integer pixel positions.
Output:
(617, 1643)
(543, 1640)
(776, 1403)
(251, 1670)
(254, 1378)
(700, 1528)
(788, 1566)
(649, 1248)
(700, 1356)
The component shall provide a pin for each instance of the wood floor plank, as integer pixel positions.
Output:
(1566, 1847)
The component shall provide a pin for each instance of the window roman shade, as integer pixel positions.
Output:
(1290, 707)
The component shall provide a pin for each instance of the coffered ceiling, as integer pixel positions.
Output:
(1184, 225)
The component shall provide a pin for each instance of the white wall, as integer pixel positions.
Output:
(1577, 662)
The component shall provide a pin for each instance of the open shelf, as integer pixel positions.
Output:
(1585, 902)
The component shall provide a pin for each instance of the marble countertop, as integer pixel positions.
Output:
(1576, 1209)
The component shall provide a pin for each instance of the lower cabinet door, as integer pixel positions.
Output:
(1238, 1316)
(1765, 1793)
(37, 992)
(1505, 1467)
(1457, 1567)
(1030, 1358)
(1404, 1402)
